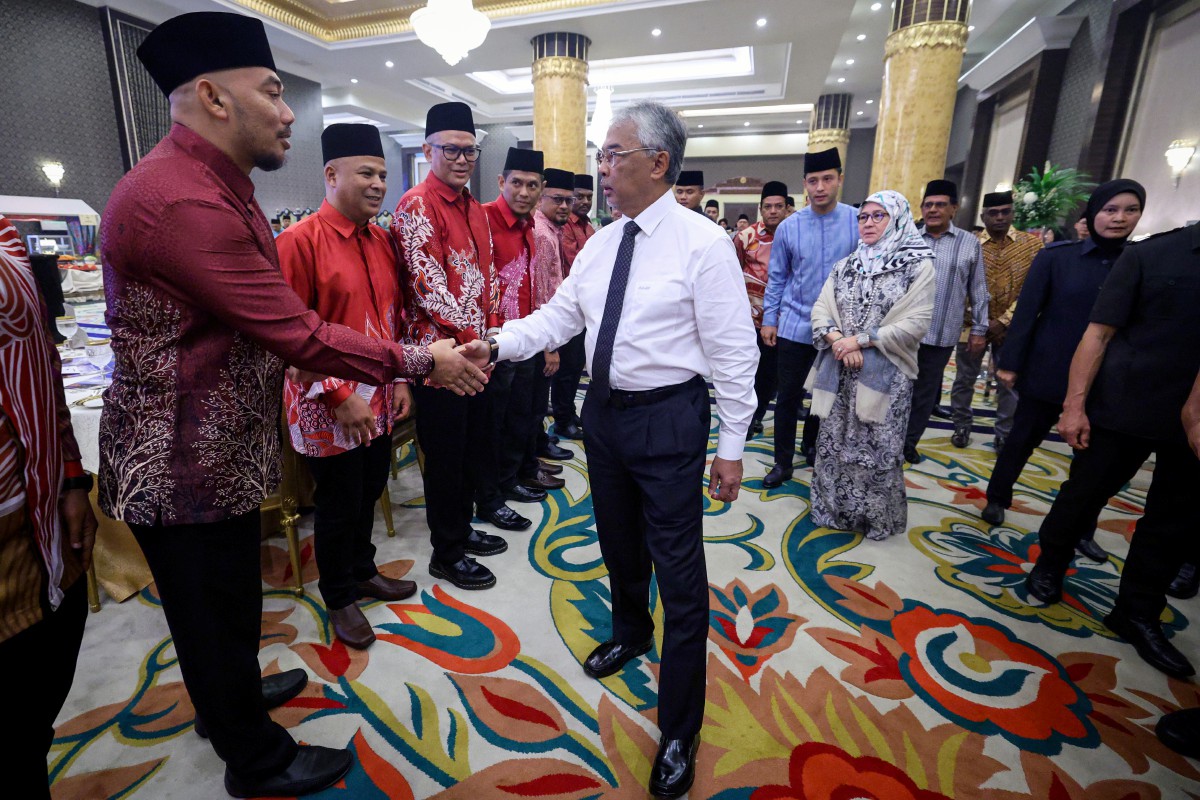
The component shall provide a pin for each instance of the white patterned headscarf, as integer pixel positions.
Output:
(901, 244)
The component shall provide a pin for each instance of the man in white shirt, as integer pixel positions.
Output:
(644, 288)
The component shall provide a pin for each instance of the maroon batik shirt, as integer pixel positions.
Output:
(202, 322)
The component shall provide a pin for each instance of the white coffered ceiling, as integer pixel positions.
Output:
(711, 58)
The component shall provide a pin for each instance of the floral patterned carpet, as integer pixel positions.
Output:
(838, 668)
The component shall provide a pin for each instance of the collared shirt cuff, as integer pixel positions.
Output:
(338, 396)
(770, 320)
(73, 469)
(507, 344)
(730, 447)
(979, 330)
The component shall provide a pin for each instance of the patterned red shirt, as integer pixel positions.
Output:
(349, 275)
(202, 323)
(549, 260)
(452, 289)
(575, 235)
(753, 246)
(512, 252)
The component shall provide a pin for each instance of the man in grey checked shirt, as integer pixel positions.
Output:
(958, 265)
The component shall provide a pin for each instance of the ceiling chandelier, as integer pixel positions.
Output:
(451, 27)
(597, 129)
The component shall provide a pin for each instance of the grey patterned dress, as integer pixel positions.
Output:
(858, 483)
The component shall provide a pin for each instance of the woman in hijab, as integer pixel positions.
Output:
(1052, 314)
(867, 324)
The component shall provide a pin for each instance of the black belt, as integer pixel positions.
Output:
(619, 399)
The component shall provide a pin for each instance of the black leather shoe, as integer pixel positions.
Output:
(556, 453)
(1180, 731)
(484, 544)
(569, 431)
(466, 573)
(550, 469)
(778, 475)
(523, 494)
(1044, 586)
(1092, 550)
(674, 767)
(276, 690)
(994, 513)
(610, 657)
(941, 412)
(1186, 583)
(1151, 643)
(314, 768)
(961, 436)
(505, 519)
(912, 455)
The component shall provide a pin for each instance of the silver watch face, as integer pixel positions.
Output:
(864, 339)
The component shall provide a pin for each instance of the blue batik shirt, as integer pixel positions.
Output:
(805, 249)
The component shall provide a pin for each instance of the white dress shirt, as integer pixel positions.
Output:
(686, 313)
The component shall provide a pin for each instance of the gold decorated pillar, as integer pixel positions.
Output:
(560, 74)
(922, 59)
(831, 125)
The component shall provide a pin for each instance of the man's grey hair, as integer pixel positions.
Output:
(659, 127)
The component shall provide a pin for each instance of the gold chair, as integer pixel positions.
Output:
(403, 432)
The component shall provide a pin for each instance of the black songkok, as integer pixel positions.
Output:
(774, 189)
(947, 188)
(190, 45)
(693, 177)
(825, 159)
(993, 199)
(523, 160)
(346, 140)
(791, 201)
(449, 117)
(585, 182)
(559, 179)
(712, 204)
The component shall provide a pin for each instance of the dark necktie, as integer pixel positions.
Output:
(602, 357)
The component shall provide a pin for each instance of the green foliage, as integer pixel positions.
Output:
(1042, 200)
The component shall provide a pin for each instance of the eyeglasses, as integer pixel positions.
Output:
(453, 152)
(874, 216)
(610, 156)
(560, 199)
(935, 204)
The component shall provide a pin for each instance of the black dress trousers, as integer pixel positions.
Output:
(1162, 538)
(348, 487)
(1032, 422)
(565, 383)
(766, 378)
(209, 577)
(927, 389)
(646, 465)
(795, 360)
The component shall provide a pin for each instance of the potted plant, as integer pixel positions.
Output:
(1043, 200)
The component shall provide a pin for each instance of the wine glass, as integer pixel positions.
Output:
(66, 326)
(99, 355)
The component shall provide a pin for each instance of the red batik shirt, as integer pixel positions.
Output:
(513, 253)
(452, 290)
(574, 236)
(202, 323)
(753, 245)
(549, 259)
(349, 275)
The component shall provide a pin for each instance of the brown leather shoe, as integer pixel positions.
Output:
(381, 588)
(351, 626)
(549, 468)
(543, 481)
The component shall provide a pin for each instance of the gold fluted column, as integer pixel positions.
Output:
(560, 74)
(921, 63)
(831, 125)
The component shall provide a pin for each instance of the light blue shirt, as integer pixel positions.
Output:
(806, 247)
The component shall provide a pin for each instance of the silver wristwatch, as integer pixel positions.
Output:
(863, 339)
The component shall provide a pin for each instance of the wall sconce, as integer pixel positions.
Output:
(54, 173)
(1179, 155)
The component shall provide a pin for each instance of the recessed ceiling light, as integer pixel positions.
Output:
(656, 32)
(762, 22)
(388, 64)
(700, 125)
(862, 37)
(869, 102)
(970, 28)
(861, 113)
(876, 6)
(849, 62)
(799, 122)
(354, 80)
(745, 124)
(841, 80)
